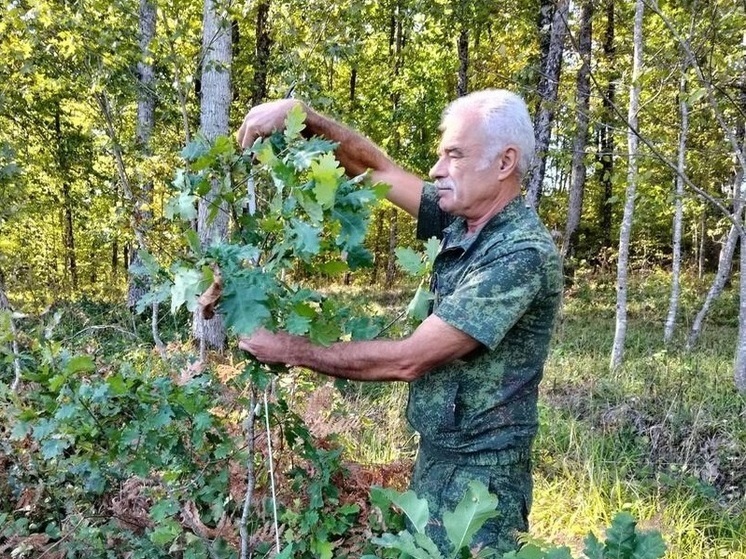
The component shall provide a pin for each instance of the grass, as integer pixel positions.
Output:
(663, 437)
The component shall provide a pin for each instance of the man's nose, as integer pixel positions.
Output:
(439, 170)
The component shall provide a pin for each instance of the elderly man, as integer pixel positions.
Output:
(474, 365)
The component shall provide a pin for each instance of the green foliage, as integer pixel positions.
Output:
(85, 428)
(623, 540)
(310, 215)
(476, 507)
(419, 266)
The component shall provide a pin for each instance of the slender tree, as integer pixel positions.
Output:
(605, 130)
(617, 352)
(261, 53)
(214, 107)
(547, 90)
(582, 103)
(673, 304)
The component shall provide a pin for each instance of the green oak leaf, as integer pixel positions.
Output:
(183, 206)
(477, 506)
(419, 306)
(295, 122)
(186, 289)
(326, 172)
(353, 227)
(432, 248)
(244, 304)
(305, 238)
(409, 260)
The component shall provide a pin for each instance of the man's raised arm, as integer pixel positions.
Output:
(356, 153)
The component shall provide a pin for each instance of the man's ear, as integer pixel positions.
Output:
(508, 162)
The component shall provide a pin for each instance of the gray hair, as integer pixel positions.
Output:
(505, 121)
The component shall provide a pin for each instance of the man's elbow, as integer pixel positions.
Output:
(411, 370)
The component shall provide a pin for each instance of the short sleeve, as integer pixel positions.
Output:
(431, 220)
(493, 296)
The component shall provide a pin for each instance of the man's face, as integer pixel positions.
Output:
(464, 174)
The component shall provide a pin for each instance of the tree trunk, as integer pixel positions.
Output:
(673, 305)
(702, 245)
(547, 90)
(606, 146)
(725, 261)
(68, 230)
(261, 56)
(214, 106)
(617, 351)
(739, 367)
(393, 236)
(583, 95)
(462, 86)
(139, 286)
(5, 306)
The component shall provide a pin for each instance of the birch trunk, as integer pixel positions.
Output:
(216, 97)
(725, 261)
(583, 95)
(739, 366)
(617, 351)
(547, 90)
(673, 304)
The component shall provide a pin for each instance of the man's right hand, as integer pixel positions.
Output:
(265, 119)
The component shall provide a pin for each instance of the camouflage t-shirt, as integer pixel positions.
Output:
(502, 287)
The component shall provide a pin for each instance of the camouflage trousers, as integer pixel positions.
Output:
(442, 481)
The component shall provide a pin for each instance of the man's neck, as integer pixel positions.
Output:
(474, 225)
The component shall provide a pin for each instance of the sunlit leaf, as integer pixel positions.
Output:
(326, 173)
(295, 122)
(477, 506)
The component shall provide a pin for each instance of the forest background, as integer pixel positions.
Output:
(106, 109)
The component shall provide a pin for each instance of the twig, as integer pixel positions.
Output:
(271, 470)
(250, 478)
(62, 539)
(104, 327)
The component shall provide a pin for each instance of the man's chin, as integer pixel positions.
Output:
(444, 204)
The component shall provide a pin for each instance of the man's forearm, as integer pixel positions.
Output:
(432, 344)
(356, 153)
(378, 360)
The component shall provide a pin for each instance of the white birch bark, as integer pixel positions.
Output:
(548, 87)
(725, 267)
(617, 351)
(217, 57)
(583, 94)
(673, 303)
(739, 365)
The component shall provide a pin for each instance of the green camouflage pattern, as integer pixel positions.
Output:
(444, 483)
(501, 286)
